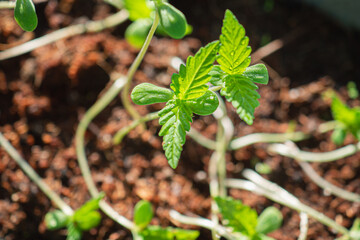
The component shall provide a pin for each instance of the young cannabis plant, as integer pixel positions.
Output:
(25, 15)
(348, 120)
(141, 12)
(242, 219)
(143, 213)
(84, 219)
(190, 92)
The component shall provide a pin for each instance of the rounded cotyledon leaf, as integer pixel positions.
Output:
(204, 105)
(147, 93)
(25, 15)
(172, 20)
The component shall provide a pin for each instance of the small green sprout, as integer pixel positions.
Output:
(242, 219)
(25, 15)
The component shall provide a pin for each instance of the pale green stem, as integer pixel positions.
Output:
(201, 139)
(125, 93)
(205, 223)
(339, 192)
(122, 132)
(304, 226)
(292, 151)
(4, 5)
(327, 126)
(90, 26)
(261, 186)
(35, 177)
(266, 138)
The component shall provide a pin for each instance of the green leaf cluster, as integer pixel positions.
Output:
(143, 213)
(242, 219)
(190, 92)
(25, 15)
(233, 74)
(141, 12)
(84, 219)
(348, 120)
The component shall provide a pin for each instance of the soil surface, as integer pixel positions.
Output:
(43, 95)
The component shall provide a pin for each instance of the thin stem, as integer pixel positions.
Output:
(266, 138)
(35, 177)
(304, 226)
(201, 139)
(292, 151)
(205, 223)
(109, 211)
(7, 4)
(125, 93)
(122, 132)
(327, 126)
(90, 26)
(276, 193)
(328, 186)
(215, 88)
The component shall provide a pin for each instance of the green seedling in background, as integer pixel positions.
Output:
(352, 90)
(84, 219)
(143, 213)
(190, 92)
(242, 219)
(348, 120)
(172, 21)
(25, 15)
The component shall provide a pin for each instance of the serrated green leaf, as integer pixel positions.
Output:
(241, 92)
(169, 233)
(56, 219)
(348, 117)
(143, 213)
(234, 50)
(204, 105)
(138, 9)
(191, 81)
(147, 93)
(136, 32)
(74, 233)
(25, 15)
(175, 118)
(239, 217)
(269, 220)
(257, 73)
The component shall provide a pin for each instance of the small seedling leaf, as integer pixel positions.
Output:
(338, 135)
(217, 76)
(355, 230)
(234, 50)
(352, 90)
(137, 9)
(147, 93)
(172, 20)
(25, 15)
(169, 233)
(88, 221)
(137, 32)
(74, 233)
(89, 206)
(257, 73)
(269, 220)
(239, 217)
(191, 81)
(143, 213)
(204, 105)
(56, 219)
(175, 119)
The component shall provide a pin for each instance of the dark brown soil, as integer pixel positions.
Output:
(43, 95)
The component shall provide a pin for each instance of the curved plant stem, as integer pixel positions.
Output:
(291, 150)
(122, 132)
(90, 26)
(7, 4)
(125, 93)
(266, 138)
(304, 226)
(201, 139)
(205, 223)
(35, 177)
(274, 192)
(328, 186)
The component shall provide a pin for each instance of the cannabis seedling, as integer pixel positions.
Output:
(25, 15)
(190, 93)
